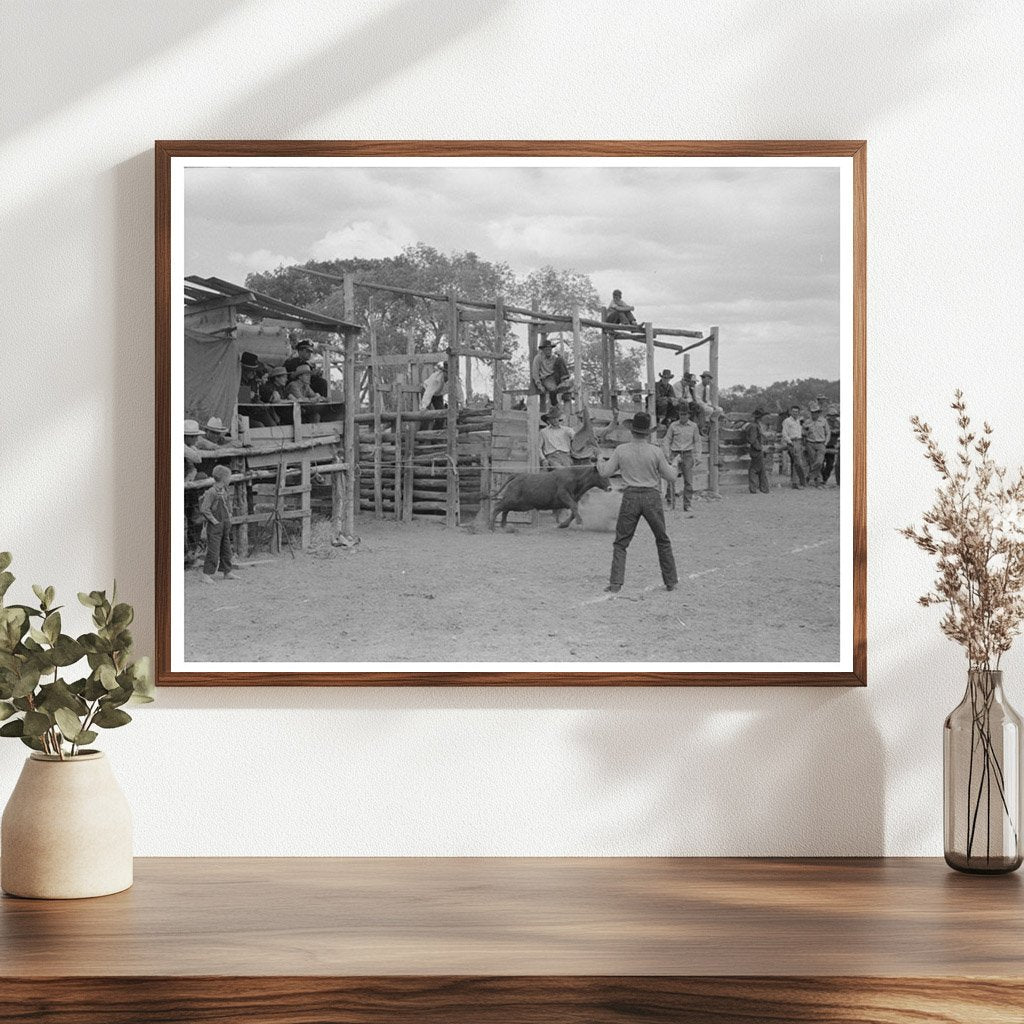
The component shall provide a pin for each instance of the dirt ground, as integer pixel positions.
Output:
(759, 582)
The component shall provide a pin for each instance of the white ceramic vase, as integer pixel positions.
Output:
(66, 831)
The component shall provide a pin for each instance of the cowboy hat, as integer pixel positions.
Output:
(250, 359)
(278, 371)
(301, 370)
(667, 374)
(546, 343)
(214, 423)
(191, 427)
(552, 417)
(640, 423)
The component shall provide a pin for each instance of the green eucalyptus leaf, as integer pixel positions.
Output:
(6, 710)
(115, 698)
(86, 736)
(5, 560)
(22, 703)
(9, 663)
(40, 593)
(36, 723)
(89, 600)
(107, 676)
(111, 718)
(66, 651)
(6, 579)
(16, 727)
(142, 679)
(94, 689)
(38, 636)
(69, 724)
(27, 681)
(51, 626)
(122, 616)
(59, 695)
(13, 626)
(31, 741)
(50, 594)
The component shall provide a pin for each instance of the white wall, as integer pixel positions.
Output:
(936, 88)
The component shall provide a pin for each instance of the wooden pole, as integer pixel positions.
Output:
(652, 404)
(714, 431)
(375, 400)
(577, 358)
(533, 439)
(499, 347)
(613, 383)
(305, 502)
(351, 386)
(396, 391)
(531, 344)
(452, 440)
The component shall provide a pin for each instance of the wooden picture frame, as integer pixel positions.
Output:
(213, 293)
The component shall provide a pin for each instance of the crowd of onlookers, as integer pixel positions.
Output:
(809, 446)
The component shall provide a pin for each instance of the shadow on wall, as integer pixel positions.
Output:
(738, 771)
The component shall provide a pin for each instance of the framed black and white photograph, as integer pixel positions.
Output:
(490, 413)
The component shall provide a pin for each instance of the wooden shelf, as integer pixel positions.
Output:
(573, 941)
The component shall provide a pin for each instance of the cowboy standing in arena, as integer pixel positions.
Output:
(643, 466)
(818, 434)
(756, 438)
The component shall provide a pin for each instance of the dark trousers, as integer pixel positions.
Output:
(757, 475)
(642, 503)
(218, 548)
(829, 466)
(797, 466)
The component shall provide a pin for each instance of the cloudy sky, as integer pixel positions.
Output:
(753, 250)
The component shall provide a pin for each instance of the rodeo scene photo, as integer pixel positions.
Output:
(515, 414)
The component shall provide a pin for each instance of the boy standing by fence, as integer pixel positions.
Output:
(216, 510)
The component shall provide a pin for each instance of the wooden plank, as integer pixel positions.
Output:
(392, 359)
(307, 512)
(510, 466)
(375, 408)
(577, 356)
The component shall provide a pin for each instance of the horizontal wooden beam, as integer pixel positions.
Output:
(479, 353)
(400, 360)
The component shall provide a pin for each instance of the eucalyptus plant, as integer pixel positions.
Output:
(37, 704)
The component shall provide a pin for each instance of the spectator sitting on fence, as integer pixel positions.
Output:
(620, 312)
(216, 510)
(555, 442)
(544, 374)
(215, 436)
(665, 397)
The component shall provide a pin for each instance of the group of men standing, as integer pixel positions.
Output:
(811, 445)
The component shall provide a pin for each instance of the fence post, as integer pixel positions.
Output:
(713, 433)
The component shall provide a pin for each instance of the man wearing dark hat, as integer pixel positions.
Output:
(756, 438)
(544, 372)
(303, 354)
(643, 466)
(665, 397)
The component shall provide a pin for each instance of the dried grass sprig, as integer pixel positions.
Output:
(975, 531)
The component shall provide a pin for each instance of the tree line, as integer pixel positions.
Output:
(426, 269)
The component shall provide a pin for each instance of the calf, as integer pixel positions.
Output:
(554, 490)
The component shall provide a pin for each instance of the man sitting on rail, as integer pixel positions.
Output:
(620, 312)
(545, 373)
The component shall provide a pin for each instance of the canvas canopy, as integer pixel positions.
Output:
(213, 372)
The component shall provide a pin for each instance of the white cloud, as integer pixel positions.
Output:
(260, 260)
(365, 239)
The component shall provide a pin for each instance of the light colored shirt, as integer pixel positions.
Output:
(543, 366)
(818, 431)
(640, 463)
(792, 430)
(681, 437)
(556, 439)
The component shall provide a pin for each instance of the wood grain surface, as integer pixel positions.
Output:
(523, 939)
(166, 150)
